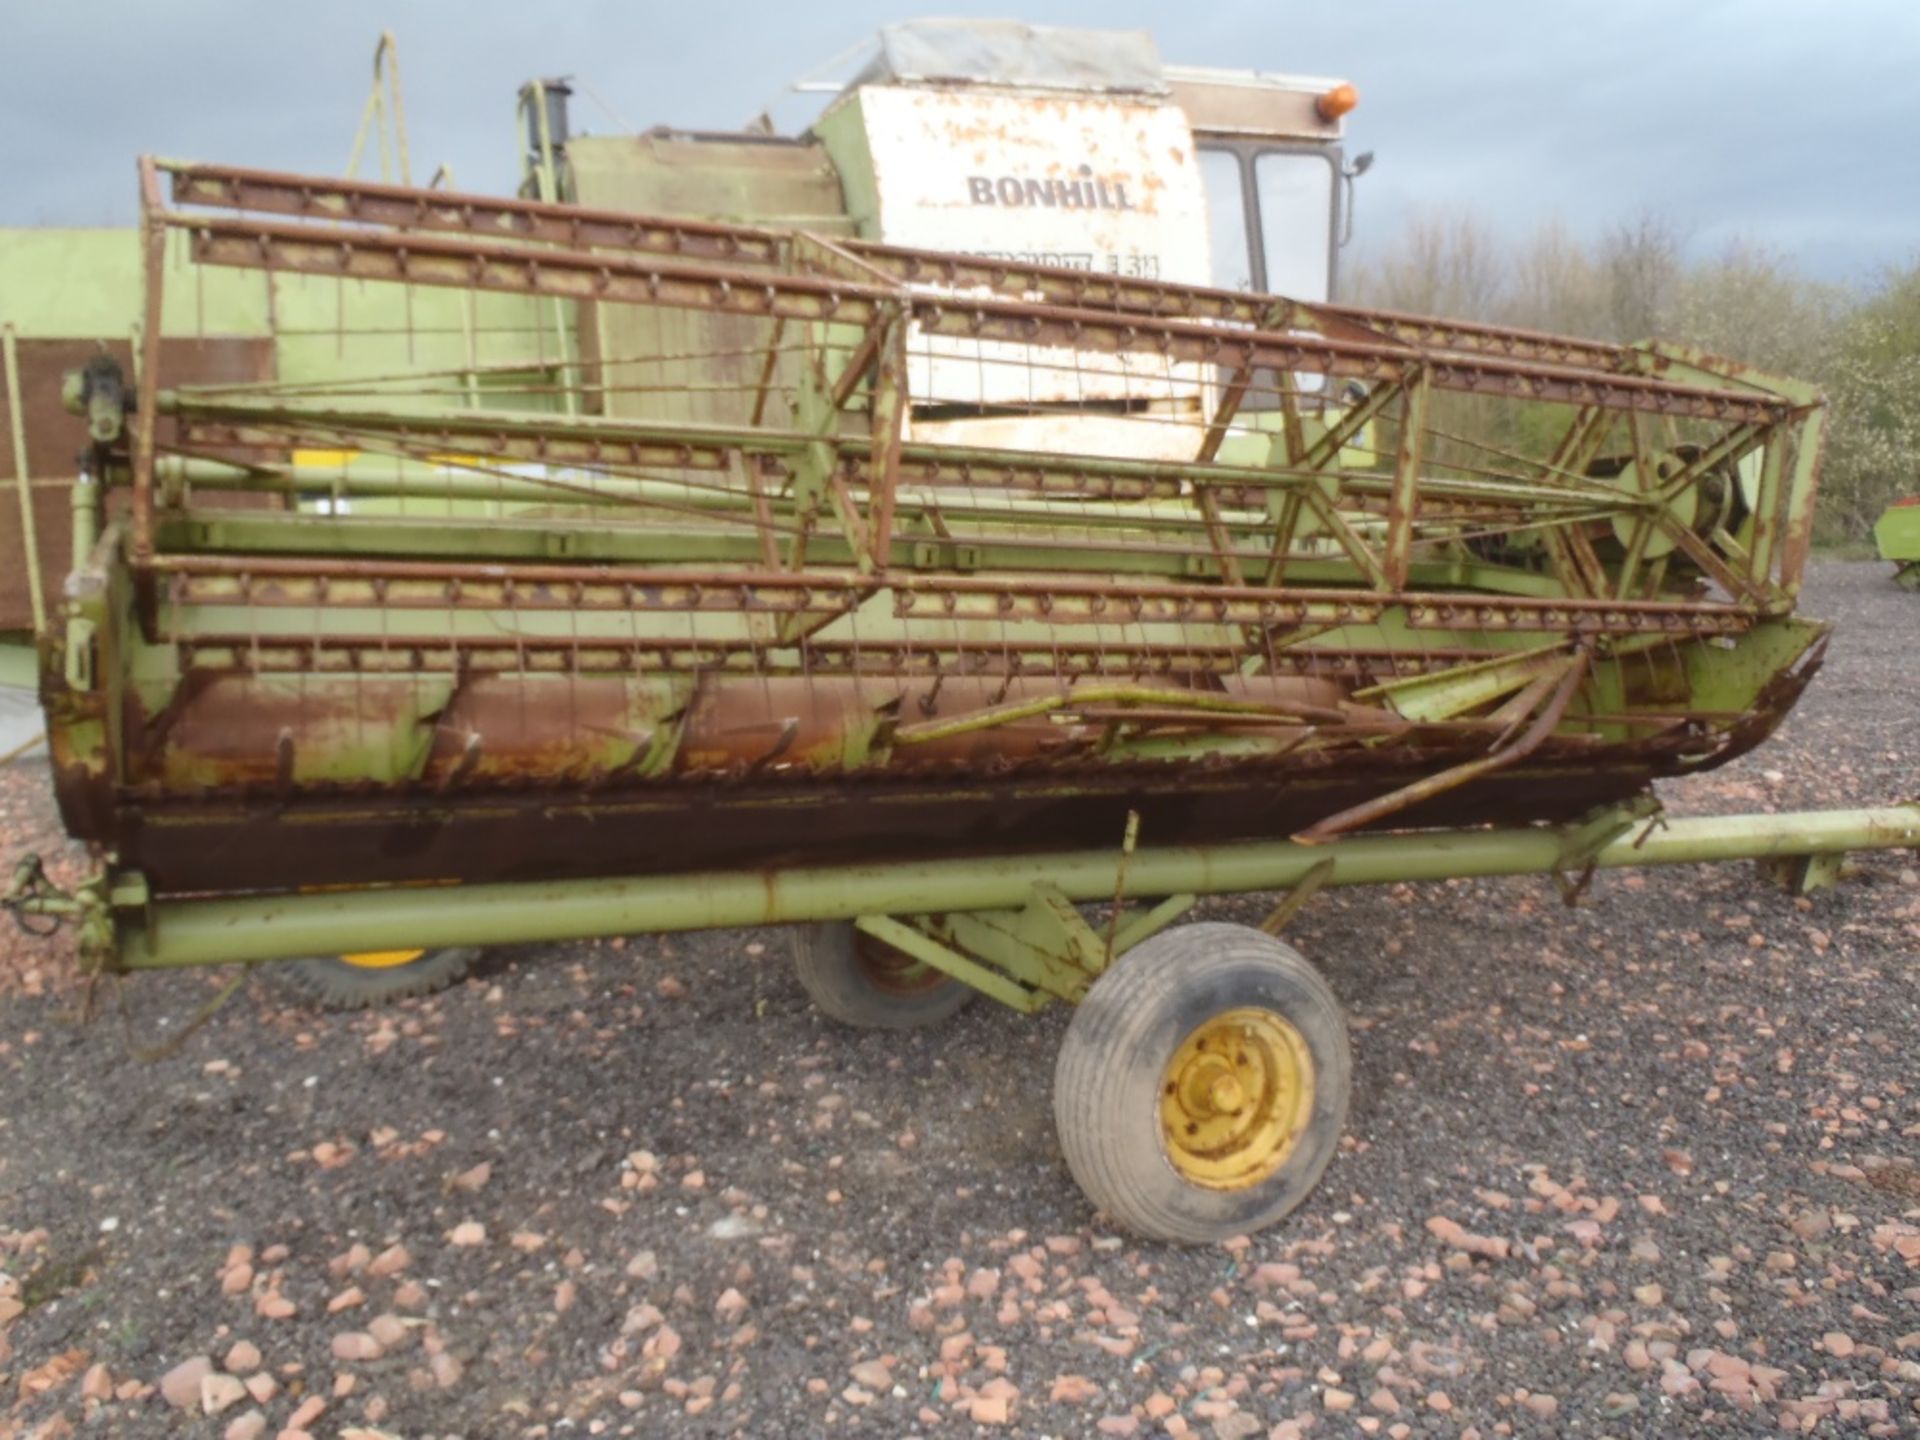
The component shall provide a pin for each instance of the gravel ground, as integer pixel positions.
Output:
(1642, 1168)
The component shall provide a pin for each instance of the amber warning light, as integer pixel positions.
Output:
(1337, 102)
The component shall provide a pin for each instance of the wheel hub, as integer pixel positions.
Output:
(893, 970)
(381, 959)
(1235, 1097)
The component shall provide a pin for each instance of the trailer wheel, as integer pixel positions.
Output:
(858, 980)
(1202, 1085)
(376, 977)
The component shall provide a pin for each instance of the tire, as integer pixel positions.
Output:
(1154, 1060)
(336, 982)
(858, 980)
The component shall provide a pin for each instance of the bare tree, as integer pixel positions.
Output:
(1555, 285)
(1444, 263)
(1637, 282)
(1640, 263)
(1749, 304)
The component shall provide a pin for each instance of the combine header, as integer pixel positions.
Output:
(917, 598)
(1507, 576)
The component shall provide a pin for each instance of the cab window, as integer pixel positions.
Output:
(1296, 222)
(1227, 220)
(1279, 241)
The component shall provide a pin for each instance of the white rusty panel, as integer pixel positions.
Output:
(1102, 183)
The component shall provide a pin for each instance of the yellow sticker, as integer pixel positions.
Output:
(324, 459)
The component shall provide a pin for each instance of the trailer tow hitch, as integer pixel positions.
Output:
(40, 907)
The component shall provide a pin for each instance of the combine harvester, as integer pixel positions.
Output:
(1897, 534)
(947, 567)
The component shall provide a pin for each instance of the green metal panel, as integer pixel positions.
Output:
(19, 664)
(61, 283)
(328, 330)
(69, 284)
(843, 131)
(773, 182)
(1730, 678)
(649, 350)
(1898, 532)
(83, 287)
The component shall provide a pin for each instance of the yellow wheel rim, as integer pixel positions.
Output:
(382, 959)
(1235, 1098)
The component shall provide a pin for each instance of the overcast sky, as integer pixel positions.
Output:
(1793, 125)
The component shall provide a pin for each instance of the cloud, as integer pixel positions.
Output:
(1783, 123)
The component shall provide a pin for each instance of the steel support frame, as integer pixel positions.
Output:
(216, 422)
(844, 469)
(1044, 951)
(1030, 956)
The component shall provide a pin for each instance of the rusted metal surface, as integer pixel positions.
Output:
(741, 246)
(533, 822)
(521, 833)
(153, 260)
(1556, 690)
(401, 258)
(55, 444)
(269, 581)
(467, 213)
(813, 624)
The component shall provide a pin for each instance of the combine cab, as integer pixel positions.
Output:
(806, 572)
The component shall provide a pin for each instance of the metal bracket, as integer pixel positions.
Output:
(1582, 841)
(1806, 874)
(78, 668)
(1138, 924)
(1025, 958)
(925, 948)
(88, 906)
(1296, 899)
(1046, 943)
